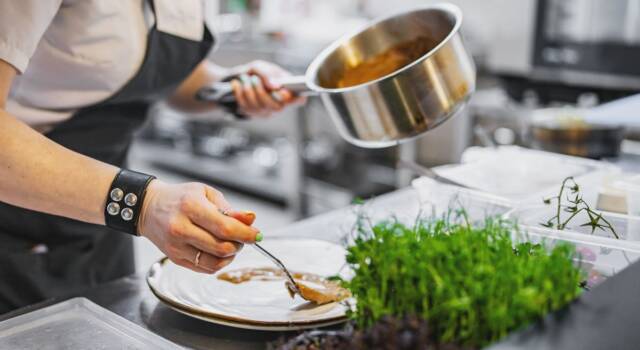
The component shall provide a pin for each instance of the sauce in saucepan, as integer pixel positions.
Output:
(386, 62)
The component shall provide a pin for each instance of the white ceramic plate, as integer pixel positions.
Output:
(264, 305)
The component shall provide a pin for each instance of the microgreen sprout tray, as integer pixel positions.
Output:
(626, 227)
(436, 198)
(599, 254)
(600, 257)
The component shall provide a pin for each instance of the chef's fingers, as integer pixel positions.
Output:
(203, 260)
(276, 94)
(212, 263)
(216, 197)
(283, 95)
(207, 216)
(208, 243)
(269, 73)
(289, 98)
(241, 98)
(252, 98)
(246, 217)
(190, 265)
(265, 97)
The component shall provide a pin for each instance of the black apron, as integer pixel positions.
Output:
(81, 255)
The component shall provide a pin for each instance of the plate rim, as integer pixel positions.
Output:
(233, 321)
(274, 328)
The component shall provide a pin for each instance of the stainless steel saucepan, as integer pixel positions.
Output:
(403, 104)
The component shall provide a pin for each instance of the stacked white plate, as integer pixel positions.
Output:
(263, 305)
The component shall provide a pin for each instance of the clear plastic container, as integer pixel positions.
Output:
(438, 198)
(522, 175)
(600, 255)
(631, 186)
(627, 227)
(76, 324)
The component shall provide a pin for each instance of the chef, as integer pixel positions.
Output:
(76, 81)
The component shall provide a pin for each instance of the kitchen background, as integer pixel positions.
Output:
(530, 54)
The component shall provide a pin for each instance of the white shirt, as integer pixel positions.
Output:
(75, 53)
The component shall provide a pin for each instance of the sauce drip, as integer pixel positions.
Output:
(386, 62)
(312, 287)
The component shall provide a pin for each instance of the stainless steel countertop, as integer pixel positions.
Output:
(131, 298)
(604, 318)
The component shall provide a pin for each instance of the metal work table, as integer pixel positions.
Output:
(604, 318)
(131, 298)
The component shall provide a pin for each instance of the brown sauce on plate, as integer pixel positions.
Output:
(312, 287)
(386, 62)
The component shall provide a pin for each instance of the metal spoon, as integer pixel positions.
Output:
(275, 260)
(279, 263)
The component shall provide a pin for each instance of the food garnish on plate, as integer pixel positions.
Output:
(312, 287)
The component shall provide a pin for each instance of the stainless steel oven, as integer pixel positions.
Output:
(592, 43)
(563, 50)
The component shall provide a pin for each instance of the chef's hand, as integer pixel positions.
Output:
(183, 219)
(257, 92)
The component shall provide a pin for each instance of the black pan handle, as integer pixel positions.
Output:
(222, 93)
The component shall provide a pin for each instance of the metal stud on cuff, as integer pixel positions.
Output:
(130, 199)
(113, 208)
(116, 194)
(127, 214)
(124, 198)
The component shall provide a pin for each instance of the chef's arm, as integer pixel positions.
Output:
(180, 219)
(252, 93)
(41, 175)
(184, 98)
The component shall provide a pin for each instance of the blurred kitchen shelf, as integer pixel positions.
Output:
(208, 168)
(322, 196)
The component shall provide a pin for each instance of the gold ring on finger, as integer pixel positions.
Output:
(197, 259)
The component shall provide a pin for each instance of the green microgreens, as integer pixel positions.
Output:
(472, 283)
(575, 205)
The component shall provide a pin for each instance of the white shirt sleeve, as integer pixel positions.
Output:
(22, 25)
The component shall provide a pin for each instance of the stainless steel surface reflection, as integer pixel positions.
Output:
(409, 101)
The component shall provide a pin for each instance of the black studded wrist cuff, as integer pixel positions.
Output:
(124, 200)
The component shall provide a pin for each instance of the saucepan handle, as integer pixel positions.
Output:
(222, 93)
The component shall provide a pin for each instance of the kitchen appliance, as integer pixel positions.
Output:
(588, 42)
(562, 130)
(398, 106)
(567, 50)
